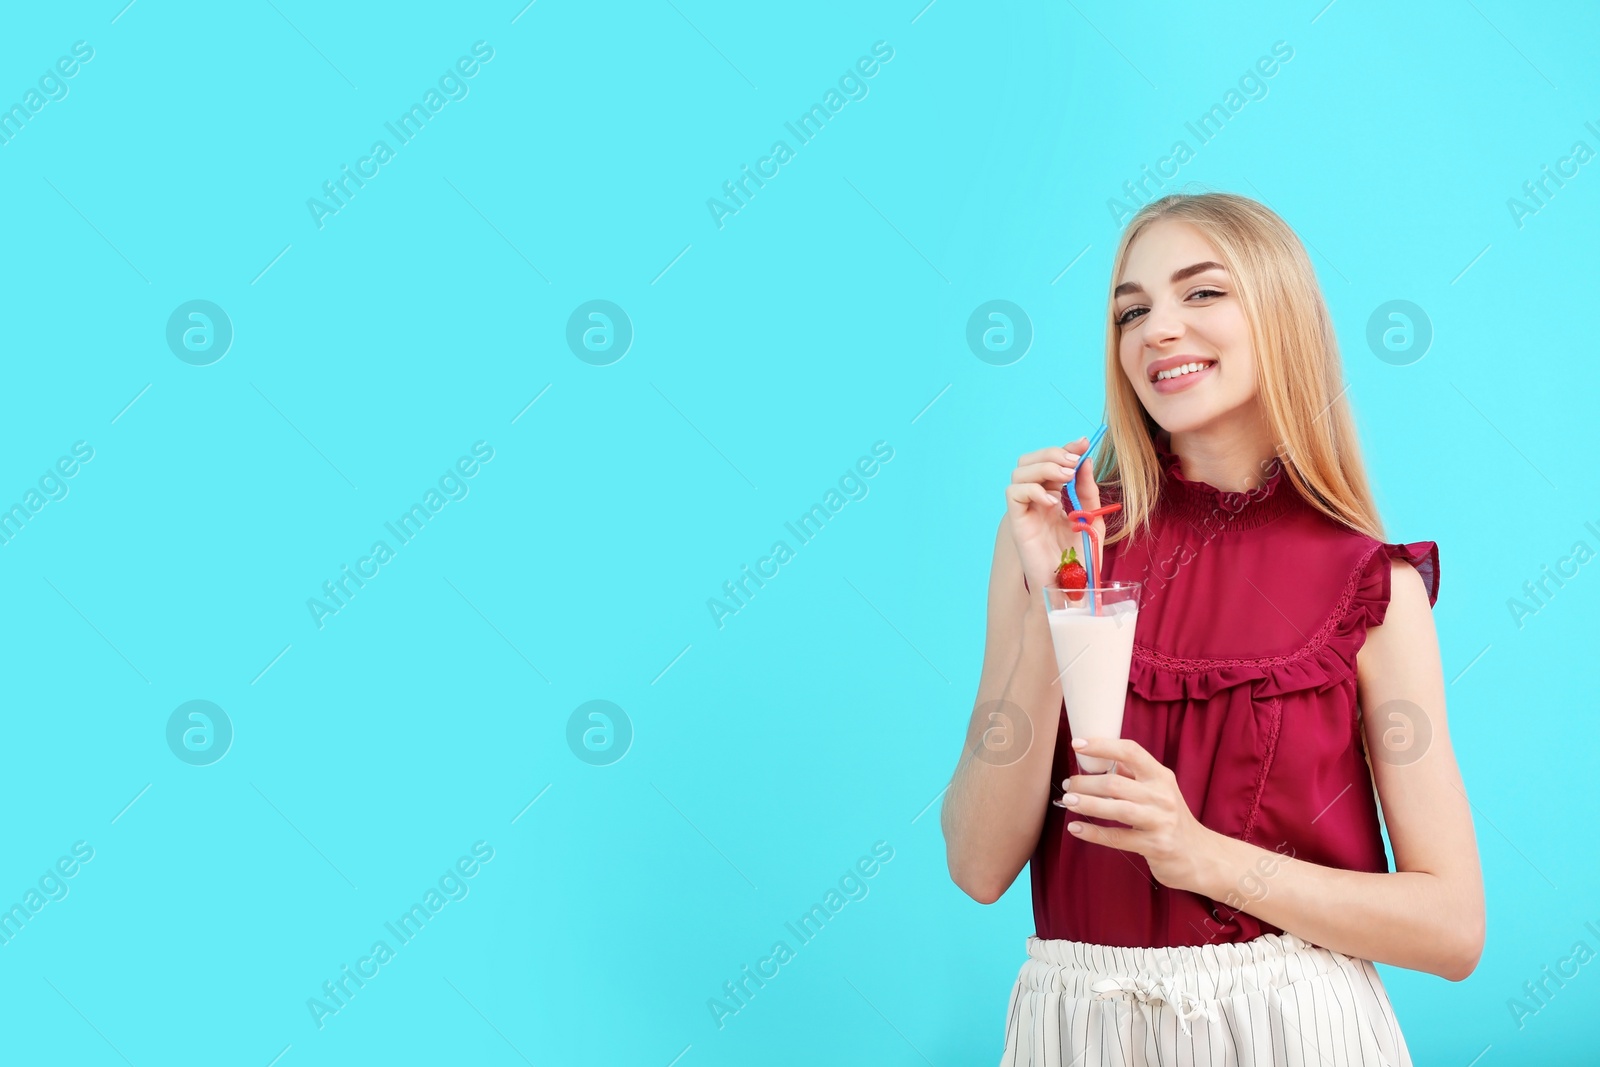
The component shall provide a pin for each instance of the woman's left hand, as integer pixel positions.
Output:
(1143, 793)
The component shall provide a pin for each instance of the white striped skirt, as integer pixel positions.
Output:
(1276, 1001)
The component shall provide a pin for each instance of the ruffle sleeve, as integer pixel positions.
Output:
(1326, 660)
(1424, 556)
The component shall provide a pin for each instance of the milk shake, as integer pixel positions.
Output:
(1094, 650)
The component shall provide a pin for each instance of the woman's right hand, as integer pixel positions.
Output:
(1039, 523)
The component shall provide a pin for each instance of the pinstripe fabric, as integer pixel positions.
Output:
(1276, 1001)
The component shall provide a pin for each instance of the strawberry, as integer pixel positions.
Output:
(1071, 575)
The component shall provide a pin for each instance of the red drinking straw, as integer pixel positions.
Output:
(1069, 504)
(1080, 521)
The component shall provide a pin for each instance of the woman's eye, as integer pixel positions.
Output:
(1128, 315)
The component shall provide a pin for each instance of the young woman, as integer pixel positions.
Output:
(1220, 896)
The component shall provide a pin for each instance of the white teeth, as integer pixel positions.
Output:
(1187, 368)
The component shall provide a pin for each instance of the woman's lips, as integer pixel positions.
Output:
(1182, 381)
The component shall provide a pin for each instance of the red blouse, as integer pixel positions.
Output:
(1244, 683)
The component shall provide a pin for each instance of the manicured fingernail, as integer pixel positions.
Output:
(1075, 827)
(1078, 742)
(1071, 799)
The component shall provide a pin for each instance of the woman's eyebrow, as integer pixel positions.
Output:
(1177, 276)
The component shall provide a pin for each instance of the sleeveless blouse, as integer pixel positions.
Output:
(1243, 682)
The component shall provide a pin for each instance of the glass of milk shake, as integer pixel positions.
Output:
(1092, 630)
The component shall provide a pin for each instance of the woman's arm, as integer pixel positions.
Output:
(1429, 914)
(995, 807)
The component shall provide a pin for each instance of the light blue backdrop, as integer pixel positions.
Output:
(377, 340)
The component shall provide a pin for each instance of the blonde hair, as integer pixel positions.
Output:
(1300, 384)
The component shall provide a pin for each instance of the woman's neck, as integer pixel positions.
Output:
(1233, 459)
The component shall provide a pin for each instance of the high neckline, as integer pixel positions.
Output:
(1202, 503)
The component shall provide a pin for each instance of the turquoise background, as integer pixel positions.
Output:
(769, 754)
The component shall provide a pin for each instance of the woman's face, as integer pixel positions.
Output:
(1171, 314)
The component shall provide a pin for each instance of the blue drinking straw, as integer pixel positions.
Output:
(1088, 542)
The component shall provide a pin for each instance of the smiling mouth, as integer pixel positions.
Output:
(1180, 371)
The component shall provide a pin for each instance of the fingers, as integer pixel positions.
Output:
(1048, 470)
(1107, 796)
(1020, 494)
(1123, 811)
(1068, 453)
(1111, 836)
(1048, 474)
(1131, 756)
(1116, 786)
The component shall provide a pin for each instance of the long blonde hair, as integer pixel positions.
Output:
(1300, 383)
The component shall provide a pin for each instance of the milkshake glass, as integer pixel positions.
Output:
(1092, 631)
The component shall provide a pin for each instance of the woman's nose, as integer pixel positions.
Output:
(1162, 323)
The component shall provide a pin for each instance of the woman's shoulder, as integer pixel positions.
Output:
(1367, 561)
